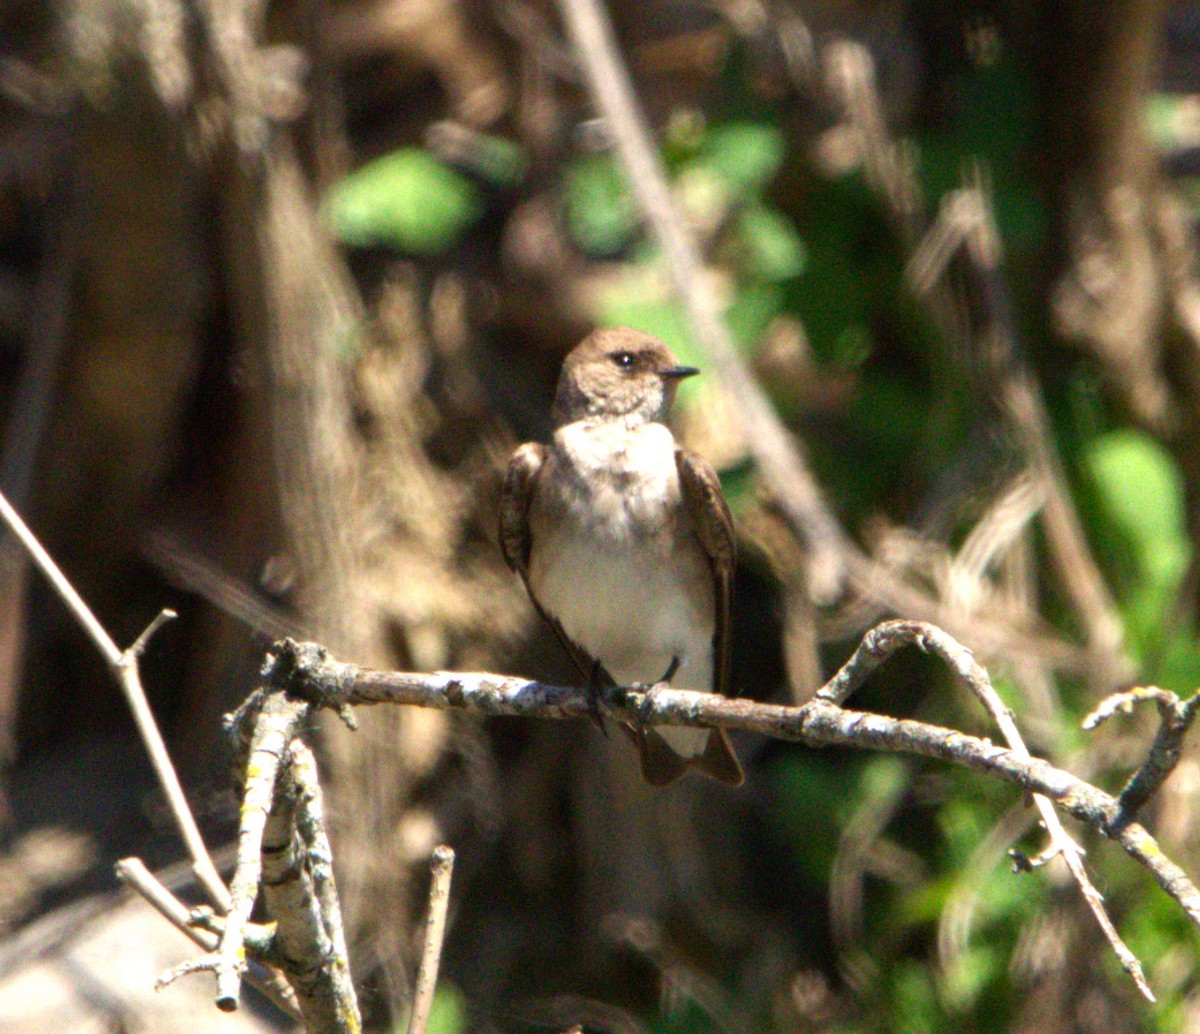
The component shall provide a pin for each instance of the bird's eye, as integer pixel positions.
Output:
(623, 359)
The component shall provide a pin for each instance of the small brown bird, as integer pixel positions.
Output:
(625, 542)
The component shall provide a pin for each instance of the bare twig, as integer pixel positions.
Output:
(284, 850)
(890, 167)
(775, 451)
(134, 874)
(972, 675)
(1176, 716)
(124, 666)
(300, 895)
(998, 531)
(275, 727)
(441, 868)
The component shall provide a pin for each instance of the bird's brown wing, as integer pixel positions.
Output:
(708, 512)
(516, 539)
(712, 522)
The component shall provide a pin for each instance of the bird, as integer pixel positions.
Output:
(625, 542)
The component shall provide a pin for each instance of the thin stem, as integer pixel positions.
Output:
(442, 867)
(124, 666)
(83, 614)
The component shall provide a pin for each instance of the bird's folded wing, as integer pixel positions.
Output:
(516, 539)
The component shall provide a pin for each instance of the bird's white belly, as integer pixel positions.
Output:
(629, 612)
(615, 563)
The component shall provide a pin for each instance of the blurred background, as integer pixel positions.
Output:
(283, 283)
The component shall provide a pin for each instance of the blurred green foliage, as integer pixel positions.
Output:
(835, 265)
(600, 213)
(1139, 492)
(407, 200)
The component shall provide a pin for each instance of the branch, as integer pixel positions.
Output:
(283, 849)
(300, 896)
(124, 666)
(307, 671)
(972, 675)
(1176, 717)
(282, 846)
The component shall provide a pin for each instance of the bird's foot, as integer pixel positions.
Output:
(648, 688)
(646, 691)
(597, 709)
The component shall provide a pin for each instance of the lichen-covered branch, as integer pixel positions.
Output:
(307, 670)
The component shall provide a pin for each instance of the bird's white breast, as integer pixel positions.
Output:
(614, 558)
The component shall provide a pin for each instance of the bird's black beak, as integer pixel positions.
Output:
(677, 373)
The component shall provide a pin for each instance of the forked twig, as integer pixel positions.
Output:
(971, 674)
(124, 666)
(134, 874)
(1177, 716)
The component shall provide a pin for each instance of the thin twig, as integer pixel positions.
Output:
(283, 851)
(775, 450)
(300, 895)
(276, 725)
(134, 874)
(124, 665)
(1177, 716)
(971, 674)
(441, 868)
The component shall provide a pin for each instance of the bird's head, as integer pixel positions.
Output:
(618, 373)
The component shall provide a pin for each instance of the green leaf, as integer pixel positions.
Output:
(498, 161)
(750, 313)
(601, 214)
(770, 244)
(1142, 493)
(407, 200)
(703, 195)
(747, 154)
